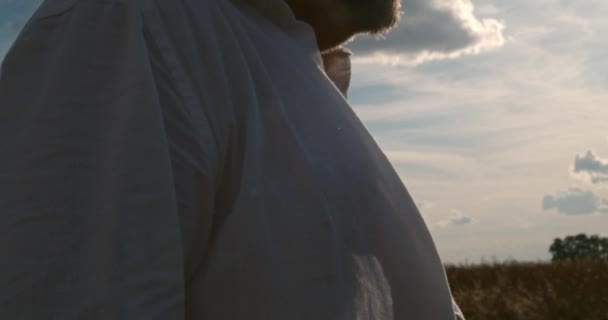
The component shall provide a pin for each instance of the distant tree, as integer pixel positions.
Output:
(580, 247)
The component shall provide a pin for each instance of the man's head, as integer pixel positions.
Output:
(336, 21)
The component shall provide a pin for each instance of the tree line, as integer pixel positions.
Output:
(579, 247)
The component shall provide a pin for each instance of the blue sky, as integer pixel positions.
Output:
(494, 113)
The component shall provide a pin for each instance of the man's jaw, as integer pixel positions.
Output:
(330, 40)
(337, 21)
(375, 16)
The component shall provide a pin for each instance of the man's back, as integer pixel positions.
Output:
(191, 159)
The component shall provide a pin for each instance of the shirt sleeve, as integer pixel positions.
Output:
(100, 193)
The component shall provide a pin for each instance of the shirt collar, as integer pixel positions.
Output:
(336, 62)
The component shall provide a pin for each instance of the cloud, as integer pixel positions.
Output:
(432, 30)
(575, 201)
(457, 219)
(425, 205)
(590, 167)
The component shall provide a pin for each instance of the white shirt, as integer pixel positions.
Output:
(190, 159)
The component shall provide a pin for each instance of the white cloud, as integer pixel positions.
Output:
(457, 219)
(575, 201)
(590, 167)
(424, 205)
(432, 30)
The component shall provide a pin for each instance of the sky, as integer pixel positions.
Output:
(494, 114)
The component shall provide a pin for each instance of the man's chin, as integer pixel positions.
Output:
(366, 16)
(329, 41)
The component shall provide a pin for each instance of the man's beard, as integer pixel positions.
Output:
(337, 21)
(374, 16)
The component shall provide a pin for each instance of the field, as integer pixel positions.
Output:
(532, 291)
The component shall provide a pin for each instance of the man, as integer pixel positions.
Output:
(190, 159)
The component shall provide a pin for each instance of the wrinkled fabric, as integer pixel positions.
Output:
(190, 159)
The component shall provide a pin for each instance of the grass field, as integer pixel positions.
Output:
(531, 291)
